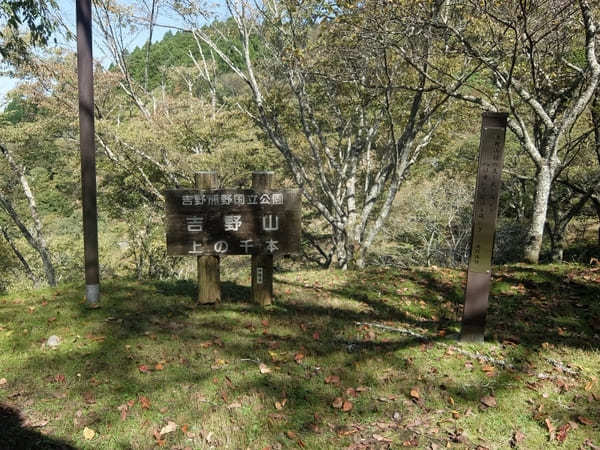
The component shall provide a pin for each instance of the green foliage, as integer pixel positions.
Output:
(18, 109)
(32, 16)
(174, 49)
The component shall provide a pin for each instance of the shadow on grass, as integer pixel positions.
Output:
(17, 436)
(231, 292)
(160, 319)
(528, 305)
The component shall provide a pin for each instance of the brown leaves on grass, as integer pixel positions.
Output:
(88, 434)
(159, 441)
(294, 437)
(124, 408)
(144, 402)
(490, 371)
(585, 420)
(332, 379)
(264, 369)
(89, 397)
(338, 402)
(517, 437)
(488, 401)
(280, 404)
(563, 430)
(551, 428)
(168, 428)
(344, 405)
(59, 378)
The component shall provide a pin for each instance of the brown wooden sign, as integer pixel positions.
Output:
(485, 211)
(233, 221)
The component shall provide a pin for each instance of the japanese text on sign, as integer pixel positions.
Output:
(486, 199)
(242, 222)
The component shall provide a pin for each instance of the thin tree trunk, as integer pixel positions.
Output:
(20, 257)
(39, 242)
(152, 11)
(596, 203)
(535, 234)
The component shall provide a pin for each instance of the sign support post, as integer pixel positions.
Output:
(85, 79)
(209, 279)
(262, 265)
(485, 212)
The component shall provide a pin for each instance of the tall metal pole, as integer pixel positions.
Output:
(85, 77)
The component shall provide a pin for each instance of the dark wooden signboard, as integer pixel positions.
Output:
(233, 222)
(485, 211)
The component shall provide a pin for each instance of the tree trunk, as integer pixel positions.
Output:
(596, 204)
(19, 256)
(535, 234)
(559, 246)
(39, 242)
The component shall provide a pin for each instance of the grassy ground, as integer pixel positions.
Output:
(150, 369)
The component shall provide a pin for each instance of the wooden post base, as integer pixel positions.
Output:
(262, 265)
(209, 277)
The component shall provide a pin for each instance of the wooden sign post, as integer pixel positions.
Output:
(485, 211)
(210, 223)
(262, 265)
(209, 276)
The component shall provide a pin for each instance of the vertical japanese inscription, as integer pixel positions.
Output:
(485, 210)
(487, 194)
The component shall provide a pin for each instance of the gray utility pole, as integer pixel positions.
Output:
(85, 77)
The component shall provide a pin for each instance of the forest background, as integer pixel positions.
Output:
(373, 108)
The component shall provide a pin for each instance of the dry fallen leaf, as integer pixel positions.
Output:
(168, 428)
(123, 408)
(347, 406)
(518, 436)
(159, 366)
(145, 402)
(144, 368)
(160, 442)
(88, 434)
(381, 438)
(89, 397)
(264, 368)
(488, 401)
(3, 381)
(490, 371)
(551, 429)
(299, 357)
(414, 393)
(234, 405)
(563, 430)
(280, 404)
(338, 402)
(332, 379)
(584, 420)
(291, 434)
